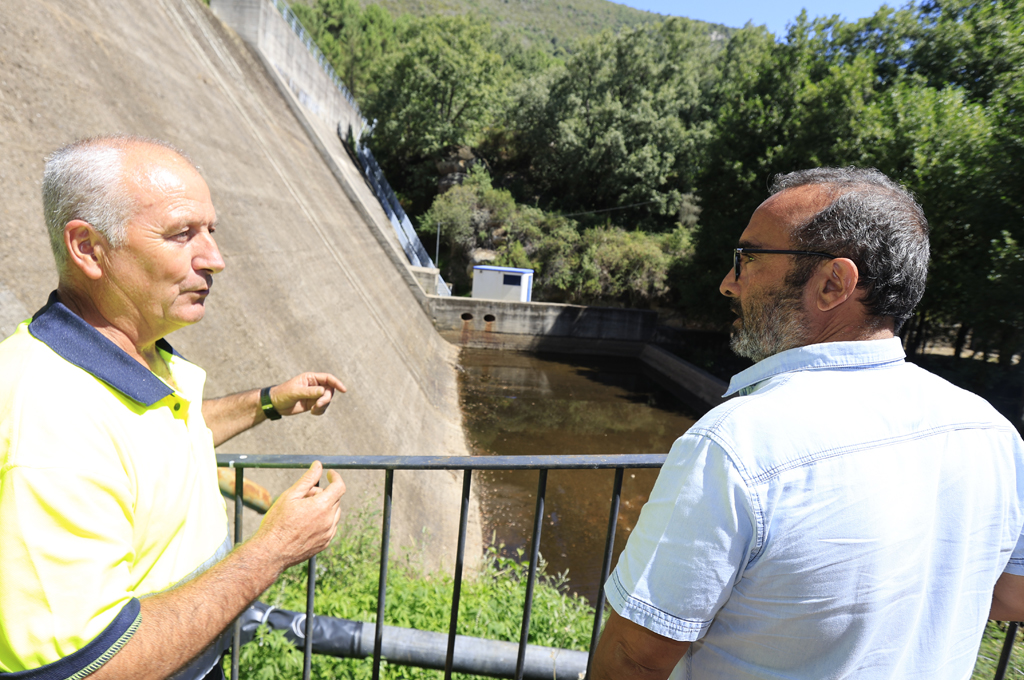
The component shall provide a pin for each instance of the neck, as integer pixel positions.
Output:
(864, 328)
(83, 305)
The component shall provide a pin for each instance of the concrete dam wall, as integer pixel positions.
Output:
(311, 280)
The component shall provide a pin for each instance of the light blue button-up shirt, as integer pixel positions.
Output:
(846, 515)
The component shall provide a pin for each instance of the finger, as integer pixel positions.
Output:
(303, 392)
(336, 489)
(323, 402)
(309, 479)
(332, 382)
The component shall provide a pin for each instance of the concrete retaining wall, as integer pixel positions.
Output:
(473, 322)
(683, 378)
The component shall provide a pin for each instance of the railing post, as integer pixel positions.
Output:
(1004, 656)
(307, 651)
(236, 639)
(606, 565)
(538, 522)
(389, 478)
(460, 557)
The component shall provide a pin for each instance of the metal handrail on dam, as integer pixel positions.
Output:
(619, 463)
(467, 464)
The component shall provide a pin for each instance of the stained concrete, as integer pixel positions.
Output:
(309, 284)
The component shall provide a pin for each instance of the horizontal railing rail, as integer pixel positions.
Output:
(391, 464)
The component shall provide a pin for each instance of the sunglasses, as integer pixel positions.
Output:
(738, 253)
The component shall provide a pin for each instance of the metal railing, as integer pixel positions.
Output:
(467, 464)
(317, 54)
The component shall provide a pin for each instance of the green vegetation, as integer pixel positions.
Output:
(624, 166)
(552, 26)
(598, 264)
(491, 606)
(991, 647)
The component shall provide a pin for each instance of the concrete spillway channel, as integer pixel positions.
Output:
(423, 649)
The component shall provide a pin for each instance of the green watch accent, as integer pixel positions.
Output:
(268, 406)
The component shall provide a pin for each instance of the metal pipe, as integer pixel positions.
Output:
(460, 557)
(423, 649)
(538, 523)
(1004, 656)
(236, 638)
(389, 478)
(606, 565)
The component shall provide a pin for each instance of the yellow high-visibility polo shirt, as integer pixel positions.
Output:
(108, 492)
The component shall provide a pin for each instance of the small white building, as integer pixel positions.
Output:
(502, 283)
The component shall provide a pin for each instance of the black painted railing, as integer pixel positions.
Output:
(391, 464)
(467, 464)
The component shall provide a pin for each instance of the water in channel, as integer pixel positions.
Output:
(524, 404)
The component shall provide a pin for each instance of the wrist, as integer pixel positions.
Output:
(267, 405)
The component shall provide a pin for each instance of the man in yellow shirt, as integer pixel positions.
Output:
(115, 560)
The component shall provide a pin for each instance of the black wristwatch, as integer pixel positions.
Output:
(268, 406)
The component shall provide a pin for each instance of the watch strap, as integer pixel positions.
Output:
(267, 405)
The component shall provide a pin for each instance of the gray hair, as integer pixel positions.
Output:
(85, 181)
(873, 221)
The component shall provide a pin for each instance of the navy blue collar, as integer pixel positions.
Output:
(77, 342)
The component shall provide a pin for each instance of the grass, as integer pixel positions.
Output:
(988, 655)
(491, 606)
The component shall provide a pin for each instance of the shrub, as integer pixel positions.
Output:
(491, 606)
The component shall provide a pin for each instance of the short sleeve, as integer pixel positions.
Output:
(1016, 564)
(689, 548)
(66, 538)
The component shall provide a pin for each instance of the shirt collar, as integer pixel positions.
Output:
(77, 342)
(823, 356)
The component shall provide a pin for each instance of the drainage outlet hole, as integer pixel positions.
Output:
(467, 316)
(488, 318)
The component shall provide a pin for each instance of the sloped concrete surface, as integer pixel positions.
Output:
(308, 285)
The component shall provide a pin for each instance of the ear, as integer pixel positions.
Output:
(839, 284)
(84, 245)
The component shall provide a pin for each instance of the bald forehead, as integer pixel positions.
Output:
(153, 168)
(798, 205)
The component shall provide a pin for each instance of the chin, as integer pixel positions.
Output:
(187, 317)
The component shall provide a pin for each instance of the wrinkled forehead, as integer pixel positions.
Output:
(155, 175)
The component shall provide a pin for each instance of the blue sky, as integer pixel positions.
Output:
(774, 14)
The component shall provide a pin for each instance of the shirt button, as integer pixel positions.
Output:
(177, 406)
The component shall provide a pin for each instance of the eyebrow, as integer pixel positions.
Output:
(748, 244)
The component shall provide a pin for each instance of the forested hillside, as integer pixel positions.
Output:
(553, 25)
(624, 168)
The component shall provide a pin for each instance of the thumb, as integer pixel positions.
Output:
(308, 480)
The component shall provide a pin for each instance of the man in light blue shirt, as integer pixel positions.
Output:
(846, 514)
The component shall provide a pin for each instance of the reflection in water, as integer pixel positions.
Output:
(522, 404)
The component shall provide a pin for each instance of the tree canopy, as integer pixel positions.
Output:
(644, 151)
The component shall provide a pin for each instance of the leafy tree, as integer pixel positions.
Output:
(621, 123)
(357, 41)
(443, 88)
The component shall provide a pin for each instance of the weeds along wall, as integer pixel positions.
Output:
(310, 283)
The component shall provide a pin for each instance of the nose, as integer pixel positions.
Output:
(207, 257)
(729, 285)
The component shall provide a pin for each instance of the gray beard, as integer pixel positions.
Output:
(774, 322)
